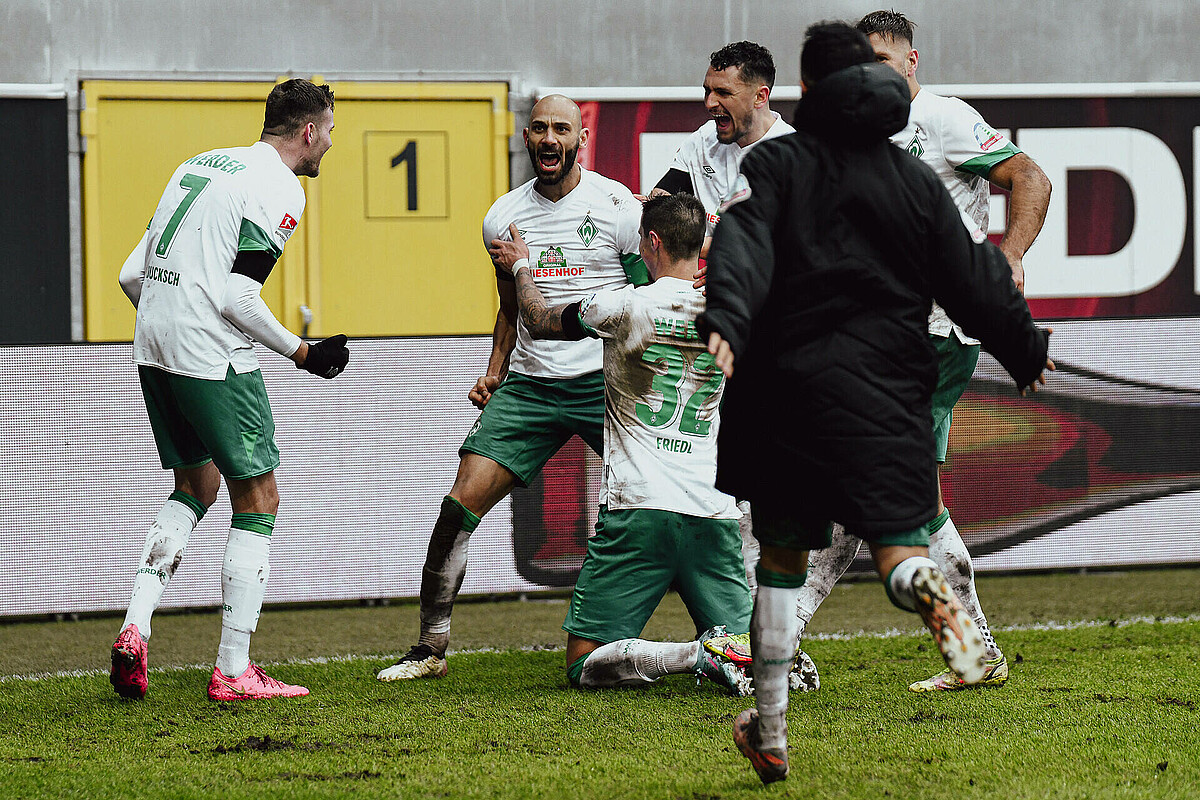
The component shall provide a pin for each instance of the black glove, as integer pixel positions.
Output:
(327, 358)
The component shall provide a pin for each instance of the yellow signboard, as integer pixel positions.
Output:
(390, 239)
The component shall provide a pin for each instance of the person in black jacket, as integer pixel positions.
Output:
(820, 279)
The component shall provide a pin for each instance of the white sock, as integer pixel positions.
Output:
(899, 582)
(243, 584)
(750, 548)
(630, 662)
(947, 548)
(165, 543)
(773, 642)
(825, 568)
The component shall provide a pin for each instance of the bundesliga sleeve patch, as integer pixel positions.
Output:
(286, 227)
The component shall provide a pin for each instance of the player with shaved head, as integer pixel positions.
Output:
(581, 230)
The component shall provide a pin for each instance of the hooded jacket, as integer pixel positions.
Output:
(820, 277)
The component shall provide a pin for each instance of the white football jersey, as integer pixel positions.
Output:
(714, 166)
(662, 399)
(952, 138)
(217, 204)
(577, 246)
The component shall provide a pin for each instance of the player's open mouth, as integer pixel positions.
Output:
(549, 159)
(724, 122)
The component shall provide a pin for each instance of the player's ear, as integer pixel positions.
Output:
(525, 134)
(913, 58)
(762, 96)
(584, 133)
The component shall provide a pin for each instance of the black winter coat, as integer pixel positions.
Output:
(820, 277)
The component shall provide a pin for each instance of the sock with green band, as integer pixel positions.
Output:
(442, 575)
(161, 554)
(244, 576)
(773, 642)
(782, 580)
(899, 582)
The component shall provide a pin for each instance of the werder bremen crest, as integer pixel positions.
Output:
(915, 147)
(552, 257)
(587, 231)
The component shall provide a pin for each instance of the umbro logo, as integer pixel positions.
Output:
(709, 171)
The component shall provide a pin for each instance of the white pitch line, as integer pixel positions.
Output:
(891, 633)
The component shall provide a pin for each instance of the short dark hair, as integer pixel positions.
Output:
(890, 24)
(680, 222)
(831, 46)
(292, 104)
(754, 62)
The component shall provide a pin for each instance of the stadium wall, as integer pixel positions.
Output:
(573, 43)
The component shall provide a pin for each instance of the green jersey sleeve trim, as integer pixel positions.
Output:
(636, 271)
(982, 165)
(252, 237)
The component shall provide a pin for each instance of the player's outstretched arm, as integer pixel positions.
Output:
(326, 358)
(504, 340)
(242, 305)
(1040, 380)
(1028, 200)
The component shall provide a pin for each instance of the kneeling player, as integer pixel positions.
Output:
(662, 521)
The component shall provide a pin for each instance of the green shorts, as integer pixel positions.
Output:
(638, 554)
(780, 527)
(227, 422)
(527, 420)
(956, 365)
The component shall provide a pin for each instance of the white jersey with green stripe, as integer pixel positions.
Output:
(585, 242)
(953, 139)
(662, 399)
(714, 167)
(217, 204)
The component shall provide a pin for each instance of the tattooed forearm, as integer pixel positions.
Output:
(542, 321)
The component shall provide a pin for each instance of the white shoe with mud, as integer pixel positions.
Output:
(956, 634)
(419, 662)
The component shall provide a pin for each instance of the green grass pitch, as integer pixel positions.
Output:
(1105, 706)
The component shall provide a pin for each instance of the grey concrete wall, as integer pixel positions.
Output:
(573, 43)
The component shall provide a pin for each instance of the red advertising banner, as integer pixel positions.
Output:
(1100, 469)
(1118, 241)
